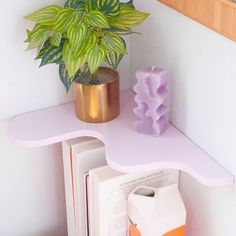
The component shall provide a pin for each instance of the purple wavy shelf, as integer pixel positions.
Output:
(126, 150)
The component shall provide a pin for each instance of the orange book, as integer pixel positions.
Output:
(176, 232)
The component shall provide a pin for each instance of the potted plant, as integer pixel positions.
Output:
(80, 37)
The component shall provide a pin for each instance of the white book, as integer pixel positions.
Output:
(94, 199)
(110, 190)
(79, 156)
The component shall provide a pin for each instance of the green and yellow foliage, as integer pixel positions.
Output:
(83, 34)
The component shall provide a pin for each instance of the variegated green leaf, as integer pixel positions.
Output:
(77, 33)
(75, 4)
(129, 3)
(52, 54)
(125, 31)
(95, 56)
(44, 16)
(91, 5)
(91, 39)
(55, 39)
(128, 17)
(64, 19)
(108, 7)
(28, 32)
(64, 76)
(42, 50)
(113, 59)
(97, 19)
(114, 43)
(38, 37)
(79, 77)
(72, 64)
(80, 62)
(82, 47)
(28, 36)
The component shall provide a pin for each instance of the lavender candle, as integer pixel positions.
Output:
(152, 97)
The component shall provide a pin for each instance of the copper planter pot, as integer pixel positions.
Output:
(101, 102)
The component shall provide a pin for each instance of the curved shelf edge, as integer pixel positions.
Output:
(228, 178)
(126, 150)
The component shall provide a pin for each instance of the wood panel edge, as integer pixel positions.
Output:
(218, 15)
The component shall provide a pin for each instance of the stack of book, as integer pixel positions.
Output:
(96, 195)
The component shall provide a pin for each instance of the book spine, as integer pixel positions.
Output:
(69, 188)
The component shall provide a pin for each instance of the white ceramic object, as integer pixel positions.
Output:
(156, 212)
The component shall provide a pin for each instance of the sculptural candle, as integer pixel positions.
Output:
(152, 97)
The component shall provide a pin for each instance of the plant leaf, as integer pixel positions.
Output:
(129, 3)
(81, 73)
(91, 5)
(90, 40)
(64, 19)
(66, 80)
(114, 43)
(125, 31)
(128, 17)
(28, 32)
(109, 8)
(75, 4)
(113, 59)
(42, 50)
(64, 76)
(52, 54)
(37, 37)
(97, 19)
(95, 56)
(55, 39)
(44, 16)
(72, 64)
(77, 33)
(82, 47)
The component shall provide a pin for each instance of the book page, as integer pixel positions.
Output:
(86, 203)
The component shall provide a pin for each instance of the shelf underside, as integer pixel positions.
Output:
(126, 150)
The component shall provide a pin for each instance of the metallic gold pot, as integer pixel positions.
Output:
(97, 103)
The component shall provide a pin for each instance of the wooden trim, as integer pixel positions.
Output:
(219, 15)
(228, 2)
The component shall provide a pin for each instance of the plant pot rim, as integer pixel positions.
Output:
(114, 76)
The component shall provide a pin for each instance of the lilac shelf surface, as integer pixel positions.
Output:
(126, 150)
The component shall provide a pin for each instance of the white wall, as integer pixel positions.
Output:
(31, 180)
(203, 104)
(24, 86)
(204, 85)
(32, 201)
